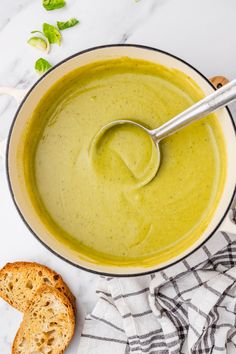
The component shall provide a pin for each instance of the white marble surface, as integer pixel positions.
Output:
(201, 32)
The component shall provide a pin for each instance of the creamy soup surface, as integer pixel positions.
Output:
(100, 203)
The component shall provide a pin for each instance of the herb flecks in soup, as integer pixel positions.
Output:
(103, 207)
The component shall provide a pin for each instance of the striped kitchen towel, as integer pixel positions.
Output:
(187, 308)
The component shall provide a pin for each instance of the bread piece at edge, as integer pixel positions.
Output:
(48, 324)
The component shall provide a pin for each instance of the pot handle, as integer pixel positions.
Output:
(16, 93)
(229, 223)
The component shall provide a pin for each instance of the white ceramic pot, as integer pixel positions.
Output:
(221, 219)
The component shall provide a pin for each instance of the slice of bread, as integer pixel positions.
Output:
(48, 324)
(20, 281)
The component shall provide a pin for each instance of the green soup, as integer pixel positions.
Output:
(102, 204)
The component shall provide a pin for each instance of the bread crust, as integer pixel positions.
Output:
(22, 274)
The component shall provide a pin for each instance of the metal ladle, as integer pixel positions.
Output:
(202, 108)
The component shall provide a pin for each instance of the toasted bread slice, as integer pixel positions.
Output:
(20, 281)
(48, 324)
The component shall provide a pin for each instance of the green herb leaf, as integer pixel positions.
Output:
(53, 4)
(67, 24)
(36, 31)
(44, 38)
(42, 65)
(52, 33)
(40, 43)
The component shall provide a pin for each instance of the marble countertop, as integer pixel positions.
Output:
(201, 32)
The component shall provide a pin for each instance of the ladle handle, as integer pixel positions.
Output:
(207, 105)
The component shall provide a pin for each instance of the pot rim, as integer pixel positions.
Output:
(12, 192)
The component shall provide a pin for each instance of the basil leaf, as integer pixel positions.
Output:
(53, 4)
(38, 43)
(52, 33)
(67, 24)
(42, 65)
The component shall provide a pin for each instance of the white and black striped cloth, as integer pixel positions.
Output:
(188, 308)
